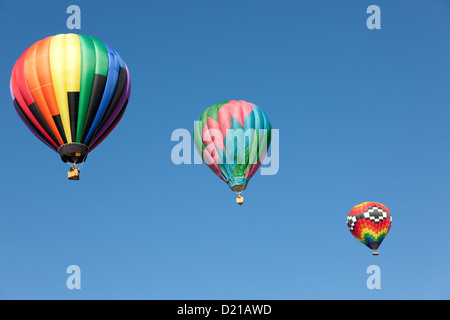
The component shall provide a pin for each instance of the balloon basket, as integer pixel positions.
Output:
(74, 174)
(240, 200)
(375, 252)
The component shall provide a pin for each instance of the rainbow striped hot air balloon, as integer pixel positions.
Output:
(71, 91)
(233, 138)
(369, 222)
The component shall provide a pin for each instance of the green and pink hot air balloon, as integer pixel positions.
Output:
(233, 138)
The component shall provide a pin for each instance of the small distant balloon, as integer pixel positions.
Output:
(370, 222)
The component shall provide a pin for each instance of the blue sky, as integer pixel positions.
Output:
(362, 115)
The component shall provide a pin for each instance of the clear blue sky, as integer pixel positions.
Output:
(363, 115)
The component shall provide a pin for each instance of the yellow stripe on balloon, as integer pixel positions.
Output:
(73, 63)
(58, 69)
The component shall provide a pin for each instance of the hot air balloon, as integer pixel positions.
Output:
(71, 91)
(233, 138)
(369, 222)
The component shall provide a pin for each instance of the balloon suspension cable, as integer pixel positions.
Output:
(82, 162)
(239, 198)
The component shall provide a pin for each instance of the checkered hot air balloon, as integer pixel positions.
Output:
(233, 138)
(369, 222)
(71, 91)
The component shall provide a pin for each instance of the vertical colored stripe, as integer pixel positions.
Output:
(29, 101)
(121, 85)
(44, 73)
(58, 71)
(36, 91)
(111, 127)
(110, 87)
(98, 86)
(18, 81)
(121, 104)
(88, 62)
(73, 62)
(73, 71)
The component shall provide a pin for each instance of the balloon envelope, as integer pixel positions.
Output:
(369, 222)
(233, 138)
(70, 90)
